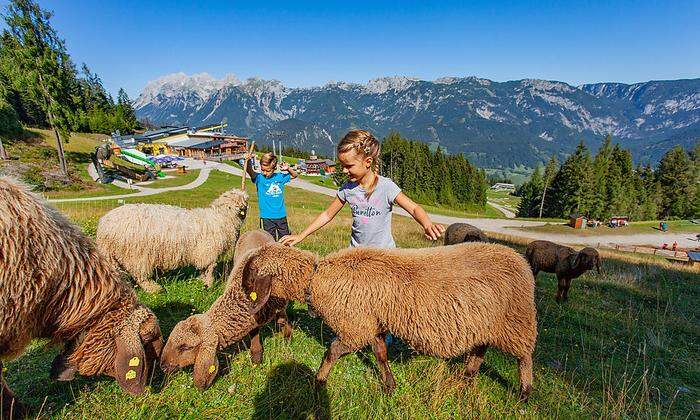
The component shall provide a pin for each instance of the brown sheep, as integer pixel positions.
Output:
(564, 261)
(445, 301)
(457, 233)
(195, 341)
(56, 285)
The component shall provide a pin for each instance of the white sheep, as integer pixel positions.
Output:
(146, 237)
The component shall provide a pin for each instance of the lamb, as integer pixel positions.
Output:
(146, 237)
(196, 340)
(564, 261)
(445, 302)
(57, 285)
(457, 233)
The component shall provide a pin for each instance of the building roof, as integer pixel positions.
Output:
(207, 144)
(320, 162)
(187, 142)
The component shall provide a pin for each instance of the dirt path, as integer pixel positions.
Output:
(508, 226)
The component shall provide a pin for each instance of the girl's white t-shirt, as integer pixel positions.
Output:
(371, 216)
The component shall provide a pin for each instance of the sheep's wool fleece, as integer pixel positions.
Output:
(442, 301)
(54, 282)
(143, 237)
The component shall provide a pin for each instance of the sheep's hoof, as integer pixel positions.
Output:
(256, 359)
(525, 393)
(320, 383)
(389, 386)
(151, 287)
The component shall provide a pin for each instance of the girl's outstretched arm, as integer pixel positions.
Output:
(432, 231)
(320, 221)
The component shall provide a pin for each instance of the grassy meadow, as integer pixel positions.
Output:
(626, 345)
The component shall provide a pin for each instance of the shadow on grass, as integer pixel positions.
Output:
(291, 392)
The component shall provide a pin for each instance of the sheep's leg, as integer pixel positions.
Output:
(473, 360)
(209, 276)
(566, 289)
(334, 352)
(379, 348)
(256, 348)
(560, 288)
(283, 323)
(525, 368)
(10, 405)
(147, 284)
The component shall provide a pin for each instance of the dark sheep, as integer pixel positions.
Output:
(564, 261)
(457, 233)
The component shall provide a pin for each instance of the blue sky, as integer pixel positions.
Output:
(301, 43)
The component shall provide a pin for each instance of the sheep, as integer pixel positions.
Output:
(564, 261)
(145, 237)
(57, 285)
(195, 341)
(445, 302)
(457, 233)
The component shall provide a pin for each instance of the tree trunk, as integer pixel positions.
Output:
(544, 192)
(3, 154)
(59, 147)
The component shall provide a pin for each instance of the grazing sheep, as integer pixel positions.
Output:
(195, 341)
(445, 302)
(564, 261)
(457, 233)
(146, 237)
(56, 285)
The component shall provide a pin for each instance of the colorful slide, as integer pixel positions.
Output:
(138, 157)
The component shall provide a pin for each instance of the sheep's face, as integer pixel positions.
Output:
(137, 348)
(234, 201)
(588, 258)
(192, 342)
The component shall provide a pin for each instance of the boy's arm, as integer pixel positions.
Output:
(321, 220)
(432, 231)
(285, 167)
(249, 168)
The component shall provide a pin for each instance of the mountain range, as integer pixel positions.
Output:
(495, 124)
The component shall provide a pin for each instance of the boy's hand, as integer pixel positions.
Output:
(290, 240)
(249, 155)
(433, 231)
(284, 166)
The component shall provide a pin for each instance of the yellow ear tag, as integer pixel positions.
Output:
(212, 368)
(253, 296)
(131, 374)
(134, 361)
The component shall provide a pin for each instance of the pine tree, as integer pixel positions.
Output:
(571, 186)
(549, 172)
(531, 197)
(125, 111)
(675, 176)
(40, 55)
(601, 167)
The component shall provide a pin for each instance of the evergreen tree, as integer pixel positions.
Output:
(125, 111)
(601, 167)
(40, 55)
(531, 195)
(571, 186)
(549, 172)
(675, 176)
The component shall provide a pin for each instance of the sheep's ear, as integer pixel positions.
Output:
(206, 366)
(130, 368)
(256, 287)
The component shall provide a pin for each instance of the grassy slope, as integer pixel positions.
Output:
(626, 344)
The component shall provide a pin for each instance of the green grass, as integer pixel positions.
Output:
(177, 179)
(674, 226)
(625, 345)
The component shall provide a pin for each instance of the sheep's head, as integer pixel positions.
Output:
(193, 342)
(126, 354)
(588, 258)
(235, 201)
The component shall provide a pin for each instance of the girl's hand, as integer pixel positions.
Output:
(433, 231)
(284, 166)
(290, 240)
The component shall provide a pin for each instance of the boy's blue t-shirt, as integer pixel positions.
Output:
(271, 195)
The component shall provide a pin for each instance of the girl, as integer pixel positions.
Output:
(370, 195)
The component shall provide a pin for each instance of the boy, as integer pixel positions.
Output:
(270, 187)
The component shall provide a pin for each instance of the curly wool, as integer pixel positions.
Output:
(146, 237)
(56, 284)
(457, 233)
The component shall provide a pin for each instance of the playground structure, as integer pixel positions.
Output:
(115, 163)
